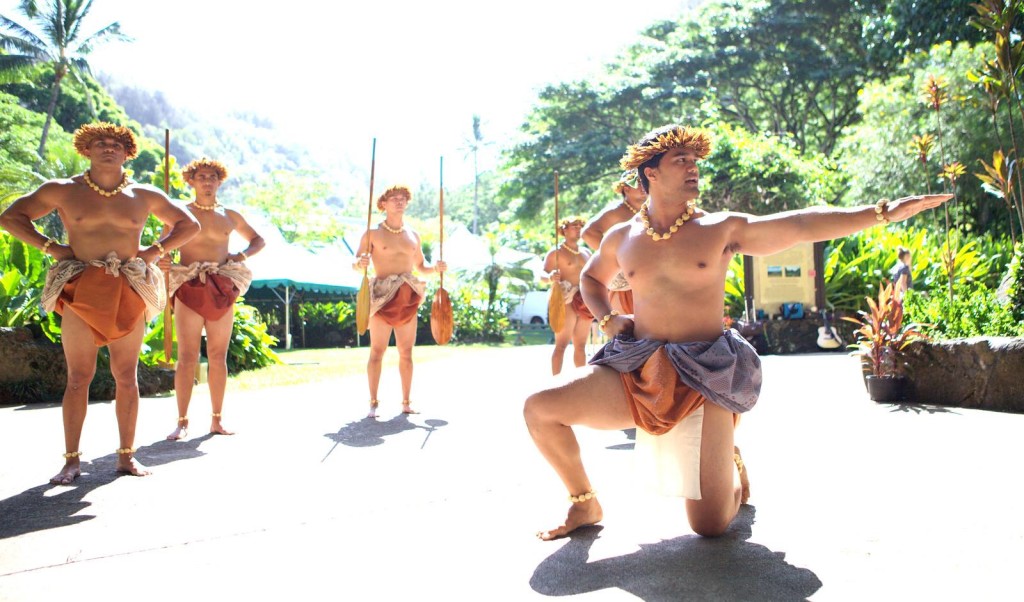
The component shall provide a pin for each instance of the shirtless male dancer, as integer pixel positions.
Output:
(104, 285)
(395, 294)
(671, 356)
(563, 265)
(204, 286)
(633, 196)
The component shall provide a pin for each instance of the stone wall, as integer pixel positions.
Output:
(33, 369)
(980, 372)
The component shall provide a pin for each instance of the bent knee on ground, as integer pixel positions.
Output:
(709, 521)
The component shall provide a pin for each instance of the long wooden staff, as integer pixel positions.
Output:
(363, 298)
(441, 323)
(556, 301)
(168, 321)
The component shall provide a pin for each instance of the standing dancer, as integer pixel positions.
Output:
(104, 285)
(563, 265)
(680, 361)
(633, 196)
(204, 286)
(395, 294)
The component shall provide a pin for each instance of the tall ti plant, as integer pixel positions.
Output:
(935, 95)
(999, 77)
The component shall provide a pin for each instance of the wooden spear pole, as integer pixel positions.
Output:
(363, 298)
(556, 301)
(441, 323)
(168, 320)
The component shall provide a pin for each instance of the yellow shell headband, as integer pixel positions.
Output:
(629, 178)
(663, 140)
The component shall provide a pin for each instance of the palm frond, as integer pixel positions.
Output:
(19, 31)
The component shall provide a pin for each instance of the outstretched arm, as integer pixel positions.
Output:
(755, 235)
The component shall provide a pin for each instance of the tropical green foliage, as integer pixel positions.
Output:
(883, 333)
(22, 275)
(474, 322)
(856, 264)
(1015, 283)
(975, 310)
(58, 43)
(761, 174)
(878, 153)
(292, 202)
(250, 345)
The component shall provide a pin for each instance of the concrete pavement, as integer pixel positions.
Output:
(852, 500)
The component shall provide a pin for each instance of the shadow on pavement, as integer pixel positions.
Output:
(920, 408)
(684, 568)
(369, 432)
(37, 509)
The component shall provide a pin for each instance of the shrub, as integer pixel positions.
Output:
(975, 311)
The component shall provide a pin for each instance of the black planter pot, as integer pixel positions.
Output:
(886, 388)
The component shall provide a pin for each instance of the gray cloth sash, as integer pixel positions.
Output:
(726, 371)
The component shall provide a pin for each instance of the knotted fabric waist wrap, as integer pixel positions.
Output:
(619, 283)
(581, 308)
(620, 294)
(109, 295)
(208, 288)
(396, 298)
(665, 382)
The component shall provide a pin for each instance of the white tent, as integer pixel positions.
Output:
(286, 268)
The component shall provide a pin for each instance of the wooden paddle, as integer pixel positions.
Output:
(168, 321)
(441, 309)
(556, 302)
(363, 297)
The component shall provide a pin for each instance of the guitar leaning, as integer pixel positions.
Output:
(828, 338)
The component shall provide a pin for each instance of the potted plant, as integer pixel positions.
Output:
(881, 338)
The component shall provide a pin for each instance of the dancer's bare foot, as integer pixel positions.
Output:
(581, 514)
(69, 473)
(407, 408)
(126, 464)
(373, 408)
(216, 428)
(181, 432)
(744, 477)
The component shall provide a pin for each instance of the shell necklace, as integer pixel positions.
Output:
(124, 184)
(397, 230)
(571, 250)
(197, 205)
(630, 207)
(682, 219)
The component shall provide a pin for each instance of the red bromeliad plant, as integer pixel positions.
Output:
(882, 335)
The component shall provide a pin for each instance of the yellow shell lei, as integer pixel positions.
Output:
(107, 193)
(682, 219)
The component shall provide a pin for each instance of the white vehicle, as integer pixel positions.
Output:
(531, 308)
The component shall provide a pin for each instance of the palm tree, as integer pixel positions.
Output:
(60, 45)
(474, 145)
(512, 272)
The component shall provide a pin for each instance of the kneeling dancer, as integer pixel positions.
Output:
(670, 363)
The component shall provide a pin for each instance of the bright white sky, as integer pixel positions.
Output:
(334, 75)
